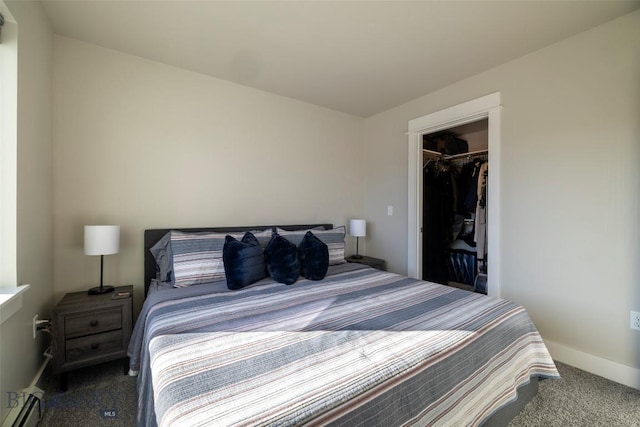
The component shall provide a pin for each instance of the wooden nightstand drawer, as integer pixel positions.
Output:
(93, 346)
(92, 323)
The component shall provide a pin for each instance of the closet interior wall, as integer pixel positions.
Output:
(454, 207)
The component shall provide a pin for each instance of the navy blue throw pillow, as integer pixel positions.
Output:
(313, 254)
(281, 257)
(243, 261)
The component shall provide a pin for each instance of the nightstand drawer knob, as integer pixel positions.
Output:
(94, 323)
(94, 346)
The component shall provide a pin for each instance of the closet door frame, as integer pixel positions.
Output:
(486, 107)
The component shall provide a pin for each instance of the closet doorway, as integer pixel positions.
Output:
(481, 111)
(455, 174)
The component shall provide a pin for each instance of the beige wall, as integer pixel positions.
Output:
(569, 191)
(21, 355)
(144, 145)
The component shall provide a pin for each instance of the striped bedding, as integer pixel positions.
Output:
(361, 347)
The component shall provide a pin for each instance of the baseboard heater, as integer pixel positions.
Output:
(27, 408)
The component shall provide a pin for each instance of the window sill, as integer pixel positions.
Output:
(11, 301)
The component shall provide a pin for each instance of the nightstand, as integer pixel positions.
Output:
(367, 260)
(91, 329)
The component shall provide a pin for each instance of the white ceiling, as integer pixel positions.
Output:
(358, 57)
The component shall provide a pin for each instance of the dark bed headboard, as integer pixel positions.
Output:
(152, 236)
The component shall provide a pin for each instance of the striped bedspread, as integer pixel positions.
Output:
(361, 347)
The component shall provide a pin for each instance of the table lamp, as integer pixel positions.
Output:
(357, 228)
(101, 240)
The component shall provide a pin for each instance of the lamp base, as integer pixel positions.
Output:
(101, 290)
(356, 256)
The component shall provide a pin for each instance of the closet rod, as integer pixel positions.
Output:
(455, 156)
(469, 154)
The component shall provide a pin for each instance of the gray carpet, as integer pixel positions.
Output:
(577, 399)
(581, 399)
(96, 396)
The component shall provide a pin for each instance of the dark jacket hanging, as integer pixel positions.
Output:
(438, 207)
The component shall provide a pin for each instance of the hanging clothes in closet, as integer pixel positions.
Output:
(462, 252)
(480, 235)
(438, 208)
(454, 220)
(466, 208)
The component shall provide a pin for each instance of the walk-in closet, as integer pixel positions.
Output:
(455, 209)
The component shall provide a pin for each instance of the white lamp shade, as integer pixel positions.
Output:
(357, 227)
(101, 239)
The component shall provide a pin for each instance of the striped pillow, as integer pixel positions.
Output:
(334, 239)
(197, 257)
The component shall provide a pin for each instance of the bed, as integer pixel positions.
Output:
(359, 347)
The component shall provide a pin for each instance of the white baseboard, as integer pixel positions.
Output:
(13, 414)
(608, 369)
